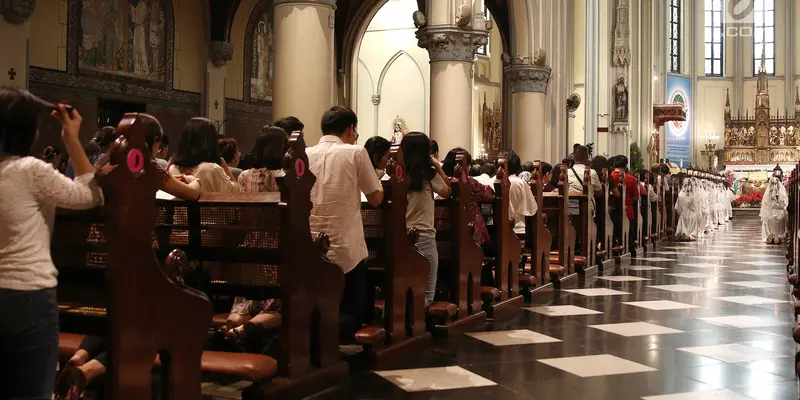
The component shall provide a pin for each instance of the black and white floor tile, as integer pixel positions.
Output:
(709, 320)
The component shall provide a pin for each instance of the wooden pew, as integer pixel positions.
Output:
(605, 227)
(621, 225)
(670, 198)
(644, 207)
(399, 268)
(635, 233)
(538, 239)
(460, 257)
(584, 226)
(257, 245)
(110, 283)
(556, 207)
(507, 250)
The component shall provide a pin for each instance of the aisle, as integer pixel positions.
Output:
(711, 317)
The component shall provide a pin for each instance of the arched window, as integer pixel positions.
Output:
(259, 54)
(713, 38)
(675, 36)
(764, 35)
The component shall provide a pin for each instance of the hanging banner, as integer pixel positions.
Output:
(679, 133)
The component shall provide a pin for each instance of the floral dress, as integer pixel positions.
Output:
(478, 193)
(257, 180)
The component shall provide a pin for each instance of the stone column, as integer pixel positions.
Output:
(591, 40)
(528, 94)
(15, 30)
(305, 78)
(219, 53)
(452, 52)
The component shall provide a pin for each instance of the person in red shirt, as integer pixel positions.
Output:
(631, 193)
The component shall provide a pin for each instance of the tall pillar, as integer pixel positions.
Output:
(591, 38)
(219, 53)
(528, 94)
(452, 52)
(304, 62)
(15, 29)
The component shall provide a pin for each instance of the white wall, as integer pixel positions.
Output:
(390, 64)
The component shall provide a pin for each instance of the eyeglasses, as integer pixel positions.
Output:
(356, 132)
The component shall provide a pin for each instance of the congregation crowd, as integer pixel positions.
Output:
(347, 174)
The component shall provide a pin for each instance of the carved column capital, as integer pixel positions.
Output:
(450, 43)
(376, 99)
(220, 53)
(528, 77)
(17, 11)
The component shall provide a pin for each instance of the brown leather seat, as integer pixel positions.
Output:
(557, 270)
(245, 366)
(489, 294)
(580, 260)
(527, 280)
(442, 309)
(68, 344)
(616, 249)
(218, 320)
(371, 335)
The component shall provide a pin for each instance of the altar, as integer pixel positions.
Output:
(762, 141)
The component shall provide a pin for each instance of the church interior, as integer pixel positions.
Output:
(559, 199)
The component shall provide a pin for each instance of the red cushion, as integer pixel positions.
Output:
(442, 309)
(371, 335)
(247, 366)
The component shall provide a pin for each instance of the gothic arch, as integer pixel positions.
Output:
(247, 72)
(389, 64)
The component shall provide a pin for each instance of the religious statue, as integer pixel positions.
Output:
(621, 100)
(652, 152)
(399, 129)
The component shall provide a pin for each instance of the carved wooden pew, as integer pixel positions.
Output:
(556, 207)
(584, 226)
(661, 207)
(605, 227)
(110, 283)
(258, 245)
(398, 268)
(670, 198)
(644, 207)
(460, 257)
(538, 240)
(507, 251)
(621, 223)
(635, 233)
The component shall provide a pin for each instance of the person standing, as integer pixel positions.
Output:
(343, 171)
(30, 191)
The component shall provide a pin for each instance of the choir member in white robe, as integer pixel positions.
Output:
(773, 211)
(687, 208)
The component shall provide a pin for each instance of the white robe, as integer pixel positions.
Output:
(686, 206)
(773, 211)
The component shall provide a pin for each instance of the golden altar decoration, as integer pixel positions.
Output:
(761, 139)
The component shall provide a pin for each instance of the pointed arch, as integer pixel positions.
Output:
(389, 65)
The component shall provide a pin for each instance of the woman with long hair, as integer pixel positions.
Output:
(198, 155)
(96, 147)
(30, 191)
(478, 193)
(427, 178)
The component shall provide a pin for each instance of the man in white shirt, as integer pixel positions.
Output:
(486, 178)
(343, 172)
(521, 202)
(576, 176)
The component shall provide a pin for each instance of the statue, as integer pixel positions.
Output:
(621, 100)
(652, 154)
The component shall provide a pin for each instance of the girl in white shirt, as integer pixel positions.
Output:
(30, 191)
(198, 155)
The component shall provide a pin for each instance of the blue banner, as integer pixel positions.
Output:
(679, 133)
